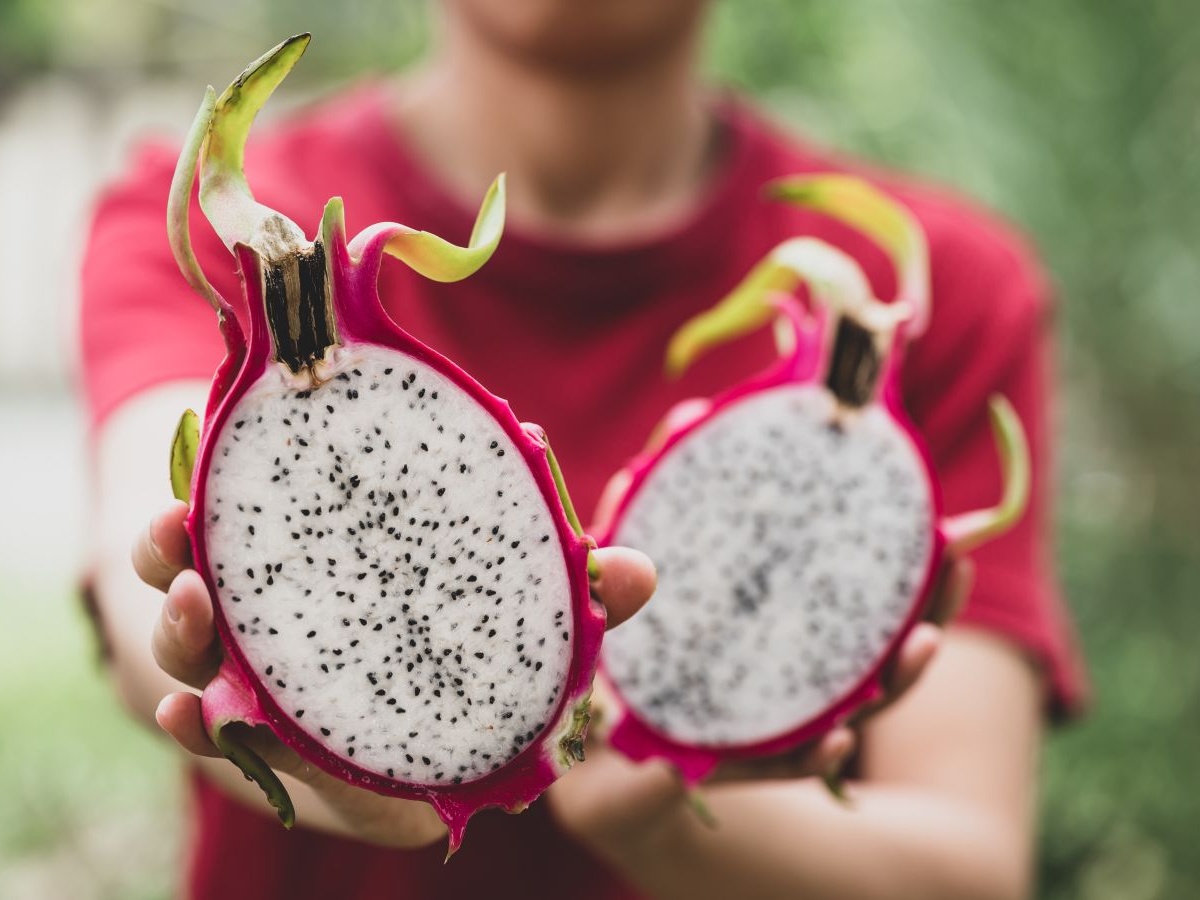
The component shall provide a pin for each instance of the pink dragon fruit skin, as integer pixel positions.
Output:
(367, 629)
(683, 671)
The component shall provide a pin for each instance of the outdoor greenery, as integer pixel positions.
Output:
(1079, 120)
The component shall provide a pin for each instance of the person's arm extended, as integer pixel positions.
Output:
(944, 809)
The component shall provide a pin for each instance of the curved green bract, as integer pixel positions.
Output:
(877, 215)
(438, 259)
(225, 195)
(744, 310)
(698, 804)
(833, 277)
(183, 455)
(967, 531)
(560, 484)
(835, 783)
(240, 102)
(333, 226)
(179, 203)
(563, 496)
(256, 770)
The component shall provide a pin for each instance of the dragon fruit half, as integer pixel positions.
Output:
(399, 581)
(795, 521)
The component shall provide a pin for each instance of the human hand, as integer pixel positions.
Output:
(613, 804)
(186, 647)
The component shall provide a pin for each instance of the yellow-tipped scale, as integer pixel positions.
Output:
(967, 531)
(888, 223)
(834, 278)
(183, 455)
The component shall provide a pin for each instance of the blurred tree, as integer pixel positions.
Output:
(26, 35)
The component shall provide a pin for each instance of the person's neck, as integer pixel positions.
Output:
(598, 158)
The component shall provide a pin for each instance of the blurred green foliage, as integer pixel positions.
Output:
(90, 801)
(26, 35)
(1079, 120)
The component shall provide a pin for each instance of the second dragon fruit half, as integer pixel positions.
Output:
(399, 582)
(796, 520)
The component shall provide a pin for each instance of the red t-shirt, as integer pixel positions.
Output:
(574, 336)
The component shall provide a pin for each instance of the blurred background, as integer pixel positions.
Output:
(1078, 119)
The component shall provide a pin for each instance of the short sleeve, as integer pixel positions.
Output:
(140, 323)
(991, 333)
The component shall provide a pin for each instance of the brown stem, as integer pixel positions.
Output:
(297, 297)
(856, 360)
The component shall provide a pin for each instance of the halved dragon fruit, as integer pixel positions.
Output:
(795, 521)
(399, 581)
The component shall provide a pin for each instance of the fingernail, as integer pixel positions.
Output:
(160, 711)
(173, 612)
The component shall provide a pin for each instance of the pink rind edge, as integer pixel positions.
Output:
(639, 740)
(516, 784)
(228, 698)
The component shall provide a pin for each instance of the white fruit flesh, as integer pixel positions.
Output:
(389, 567)
(789, 553)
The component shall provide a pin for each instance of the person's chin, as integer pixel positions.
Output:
(582, 38)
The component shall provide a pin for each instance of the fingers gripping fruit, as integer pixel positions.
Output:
(399, 581)
(795, 521)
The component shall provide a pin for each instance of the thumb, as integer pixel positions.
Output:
(626, 581)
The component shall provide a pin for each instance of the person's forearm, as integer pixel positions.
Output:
(794, 840)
